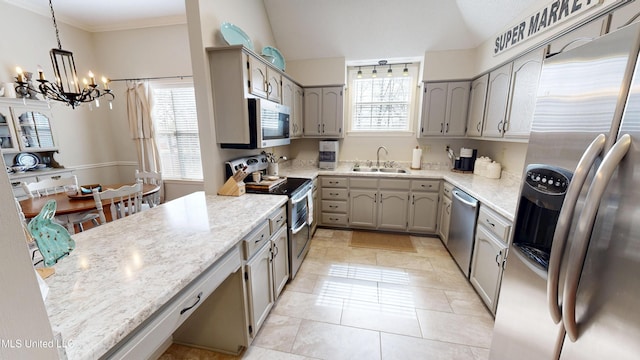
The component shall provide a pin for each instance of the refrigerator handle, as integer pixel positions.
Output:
(583, 231)
(564, 223)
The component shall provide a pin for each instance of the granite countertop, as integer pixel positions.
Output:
(120, 273)
(500, 195)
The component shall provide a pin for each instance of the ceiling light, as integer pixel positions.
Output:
(359, 72)
(389, 72)
(405, 71)
(66, 87)
(374, 73)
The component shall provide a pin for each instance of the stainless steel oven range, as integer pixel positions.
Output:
(299, 191)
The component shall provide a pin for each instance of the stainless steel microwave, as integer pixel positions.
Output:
(266, 125)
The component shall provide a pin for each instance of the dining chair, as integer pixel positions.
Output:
(124, 201)
(153, 178)
(36, 257)
(55, 186)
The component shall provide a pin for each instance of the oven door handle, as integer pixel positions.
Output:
(295, 231)
(300, 199)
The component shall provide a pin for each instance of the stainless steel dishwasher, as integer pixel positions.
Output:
(464, 211)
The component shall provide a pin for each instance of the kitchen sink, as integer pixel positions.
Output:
(393, 170)
(365, 169)
(382, 170)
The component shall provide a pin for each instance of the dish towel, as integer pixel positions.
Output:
(310, 208)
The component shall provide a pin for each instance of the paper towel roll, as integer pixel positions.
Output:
(416, 160)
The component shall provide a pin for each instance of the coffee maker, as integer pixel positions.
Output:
(466, 160)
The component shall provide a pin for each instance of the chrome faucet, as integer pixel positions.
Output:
(378, 155)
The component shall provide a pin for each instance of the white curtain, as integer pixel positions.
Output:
(141, 126)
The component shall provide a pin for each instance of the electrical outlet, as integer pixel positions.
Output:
(446, 148)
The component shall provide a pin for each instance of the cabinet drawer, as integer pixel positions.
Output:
(425, 185)
(334, 194)
(277, 219)
(363, 183)
(54, 176)
(447, 188)
(254, 241)
(394, 184)
(334, 206)
(332, 182)
(495, 223)
(334, 219)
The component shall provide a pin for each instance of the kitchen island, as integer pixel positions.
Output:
(122, 273)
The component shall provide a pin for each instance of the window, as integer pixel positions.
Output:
(176, 131)
(383, 103)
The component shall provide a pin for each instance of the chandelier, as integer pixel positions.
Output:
(66, 87)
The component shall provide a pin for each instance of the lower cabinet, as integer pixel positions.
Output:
(279, 251)
(487, 264)
(266, 268)
(378, 203)
(423, 206)
(445, 212)
(259, 283)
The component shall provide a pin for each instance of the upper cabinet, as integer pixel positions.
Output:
(524, 87)
(25, 126)
(476, 105)
(625, 15)
(266, 82)
(497, 98)
(323, 111)
(292, 96)
(8, 138)
(444, 109)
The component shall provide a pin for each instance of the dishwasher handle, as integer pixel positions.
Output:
(464, 198)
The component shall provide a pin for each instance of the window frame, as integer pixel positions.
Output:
(414, 100)
(172, 84)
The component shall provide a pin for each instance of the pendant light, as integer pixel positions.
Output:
(405, 71)
(359, 72)
(389, 72)
(66, 87)
(374, 73)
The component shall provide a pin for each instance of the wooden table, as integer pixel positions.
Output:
(66, 205)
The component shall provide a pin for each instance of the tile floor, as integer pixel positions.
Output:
(358, 303)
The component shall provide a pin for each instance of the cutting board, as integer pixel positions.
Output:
(265, 185)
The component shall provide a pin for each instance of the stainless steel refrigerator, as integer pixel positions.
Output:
(571, 287)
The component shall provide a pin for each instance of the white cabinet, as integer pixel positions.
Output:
(363, 211)
(8, 138)
(393, 210)
(292, 96)
(423, 206)
(279, 250)
(445, 212)
(444, 109)
(477, 100)
(266, 82)
(487, 265)
(25, 126)
(497, 99)
(524, 89)
(624, 15)
(334, 200)
(323, 111)
(258, 276)
(378, 203)
(577, 37)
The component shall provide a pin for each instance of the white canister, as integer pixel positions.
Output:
(272, 169)
(480, 166)
(494, 170)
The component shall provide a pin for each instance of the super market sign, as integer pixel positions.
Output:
(553, 14)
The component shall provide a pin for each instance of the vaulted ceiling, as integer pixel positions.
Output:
(308, 29)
